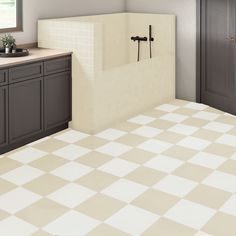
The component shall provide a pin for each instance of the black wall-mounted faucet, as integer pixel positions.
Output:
(144, 39)
(138, 38)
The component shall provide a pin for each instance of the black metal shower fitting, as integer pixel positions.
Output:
(138, 38)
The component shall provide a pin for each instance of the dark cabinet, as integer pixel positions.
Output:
(35, 101)
(57, 93)
(25, 109)
(3, 116)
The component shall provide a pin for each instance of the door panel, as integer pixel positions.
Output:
(3, 116)
(218, 54)
(25, 109)
(57, 99)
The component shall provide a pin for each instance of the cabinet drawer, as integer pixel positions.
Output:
(25, 72)
(3, 77)
(57, 65)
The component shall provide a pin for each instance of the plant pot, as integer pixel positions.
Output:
(7, 50)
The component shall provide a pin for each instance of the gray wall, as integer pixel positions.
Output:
(36, 9)
(185, 10)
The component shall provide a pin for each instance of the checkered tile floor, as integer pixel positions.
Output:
(170, 171)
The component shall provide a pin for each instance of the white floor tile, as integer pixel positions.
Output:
(125, 190)
(230, 206)
(13, 226)
(175, 185)
(222, 181)
(194, 143)
(190, 214)
(183, 129)
(227, 140)
(28, 155)
(155, 146)
(196, 106)
(119, 167)
(218, 127)
(132, 220)
(72, 171)
(147, 132)
(207, 160)
(141, 120)
(22, 175)
(71, 195)
(167, 108)
(72, 223)
(114, 149)
(17, 200)
(174, 117)
(111, 134)
(164, 163)
(206, 115)
(71, 152)
(71, 136)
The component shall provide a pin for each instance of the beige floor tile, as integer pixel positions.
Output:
(154, 113)
(146, 176)
(106, 230)
(100, 207)
(213, 110)
(41, 233)
(195, 122)
(220, 149)
(7, 164)
(45, 184)
(207, 135)
(3, 215)
(126, 126)
(230, 120)
(161, 124)
(138, 156)
(232, 131)
(192, 172)
(92, 142)
(97, 180)
(186, 111)
(131, 140)
(42, 212)
(179, 102)
(208, 196)
(170, 137)
(6, 186)
(155, 201)
(48, 163)
(180, 153)
(94, 159)
(50, 145)
(221, 225)
(165, 227)
(229, 167)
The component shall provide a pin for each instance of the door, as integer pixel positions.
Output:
(3, 116)
(57, 91)
(217, 54)
(25, 109)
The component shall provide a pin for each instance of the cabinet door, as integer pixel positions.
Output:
(25, 109)
(3, 116)
(57, 92)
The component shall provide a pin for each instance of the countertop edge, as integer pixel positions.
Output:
(33, 57)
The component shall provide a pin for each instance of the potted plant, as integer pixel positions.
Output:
(8, 42)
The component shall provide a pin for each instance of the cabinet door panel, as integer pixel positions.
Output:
(57, 99)
(3, 116)
(25, 109)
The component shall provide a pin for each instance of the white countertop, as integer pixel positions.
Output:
(35, 54)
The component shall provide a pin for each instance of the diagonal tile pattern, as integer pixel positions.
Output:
(169, 171)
